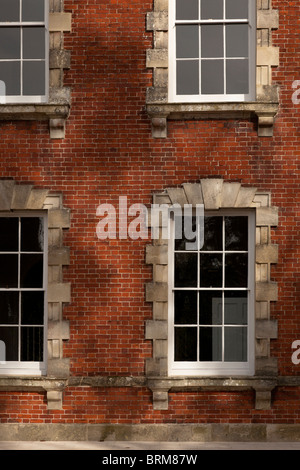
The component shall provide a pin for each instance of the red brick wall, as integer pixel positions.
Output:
(109, 151)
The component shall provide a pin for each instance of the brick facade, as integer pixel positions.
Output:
(108, 131)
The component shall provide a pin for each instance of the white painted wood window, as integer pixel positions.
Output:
(211, 297)
(23, 303)
(24, 51)
(212, 50)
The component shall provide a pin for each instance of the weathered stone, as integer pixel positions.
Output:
(157, 254)
(266, 291)
(60, 21)
(59, 218)
(156, 291)
(6, 194)
(156, 329)
(59, 292)
(230, 193)
(58, 256)
(193, 193)
(20, 196)
(245, 197)
(157, 21)
(212, 192)
(266, 329)
(36, 199)
(157, 58)
(58, 330)
(267, 216)
(177, 196)
(267, 253)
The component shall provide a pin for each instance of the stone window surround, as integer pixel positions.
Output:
(25, 197)
(215, 194)
(264, 108)
(57, 109)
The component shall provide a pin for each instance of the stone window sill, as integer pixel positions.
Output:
(262, 386)
(56, 111)
(160, 113)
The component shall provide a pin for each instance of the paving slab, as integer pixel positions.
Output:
(142, 446)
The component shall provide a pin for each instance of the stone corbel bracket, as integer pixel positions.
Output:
(265, 106)
(216, 194)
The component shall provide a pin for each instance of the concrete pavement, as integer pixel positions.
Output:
(144, 446)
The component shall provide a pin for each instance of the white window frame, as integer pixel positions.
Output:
(199, 98)
(28, 367)
(212, 368)
(30, 98)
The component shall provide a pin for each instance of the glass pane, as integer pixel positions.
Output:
(181, 242)
(210, 344)
(210, 270)
(9, 233)
(187, 77)
(237, 40)
(34, 78)
(210, 307)
(31, 274)
(235, 308)
(187, 42)
(237, 9)
(236, 270)
(213, 234)
(9, 271)
(32, 344)
(9, 307)
(211, 9)
(212, 77)
(236, 233)
(33, 43)
(33, 10)
(237, 76)
(9, 335)
(10, 43)
(185, 303)
(185, 344)
(187, 10)
(235, 349)
(10, 74)
(32, 308)
(32, 234)
(212, 41)
(186, 270)
(10, 10)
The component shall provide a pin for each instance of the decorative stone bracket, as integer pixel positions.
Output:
(265, 106)
(216, 194)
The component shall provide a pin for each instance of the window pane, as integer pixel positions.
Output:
(237, 9)
(31, 272)
(187, 41)
(210, 308)
(10, 10)
(210, 270)
(235, 308)
(10, 43)
(10, 75)
(32, 308)
(212, 41)
(186, 270)
(188, 77)
(33, 43)
(236, 270)
(32, 344)
(212, 77)
(237, 76)
(212, 234)
(9, 307)
(187, 10)
(210, 344)
(9, 335)
(211, 9)
(237, 40)
(9, 233)
(32, 234)
(185, 344)
(181, 241)
(236, 233)
(9, 274)
(185, 303)
(33, 10)
(34, 78)
(235, 349)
